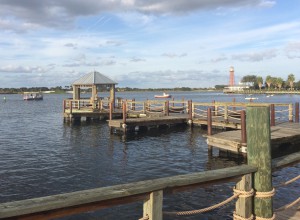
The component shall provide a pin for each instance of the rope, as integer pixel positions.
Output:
(238, 217)
(288, 182)
(237, 193)
(265, 194)
(262, 218)
(288, 205)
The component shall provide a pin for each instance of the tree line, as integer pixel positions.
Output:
(271, 82)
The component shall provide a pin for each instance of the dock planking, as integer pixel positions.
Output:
(281, 134)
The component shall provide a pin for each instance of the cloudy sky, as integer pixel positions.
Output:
(147, 43)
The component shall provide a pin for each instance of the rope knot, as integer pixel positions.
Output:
(242, 193)
(265, 194)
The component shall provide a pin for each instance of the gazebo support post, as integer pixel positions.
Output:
(112, 95)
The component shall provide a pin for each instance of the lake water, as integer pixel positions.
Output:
(40, 155)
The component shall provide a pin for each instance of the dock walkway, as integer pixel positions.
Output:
(285, 133)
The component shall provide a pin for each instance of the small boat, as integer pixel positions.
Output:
(164, 95)
(29, 96)
(251, 98)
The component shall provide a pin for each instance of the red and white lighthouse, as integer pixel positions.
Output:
(231, 76)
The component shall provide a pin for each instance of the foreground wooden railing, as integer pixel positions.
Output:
(256, 175)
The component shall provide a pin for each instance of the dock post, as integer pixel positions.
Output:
(64, 106)
(209, 129)
(124, 112)
(167, 108)
(173, 102)
(243, 127)
(290, 112)
(297, 112)
(243, 206)
(190, 110)
(152, 208)
(71, 106)
(226, 113)
(209, 122)
(259, 155)
(214, 107)
(272, 107)
(133, 104)
(110, 110)
(233, 108)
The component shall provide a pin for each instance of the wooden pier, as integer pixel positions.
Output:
(253, 186)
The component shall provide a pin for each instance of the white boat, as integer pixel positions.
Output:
(29, 96)
(250, 98)
(164, 95)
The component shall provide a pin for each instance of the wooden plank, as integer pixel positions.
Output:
(75, 199)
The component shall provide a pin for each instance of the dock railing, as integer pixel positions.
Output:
(253, 189)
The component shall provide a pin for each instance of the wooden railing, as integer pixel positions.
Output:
(151, 191)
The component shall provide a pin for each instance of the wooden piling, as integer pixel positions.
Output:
(167, 108)
(110, 110)
(124, 112)
(243, 206)
(297, 112)
(190, 109)
(213, 107)
(233, 108)
(152, 208)
(209, 122)
(64, 106)
(133, 104)
(290, 112)
(243, 127)
(272, 108)
(259, 155)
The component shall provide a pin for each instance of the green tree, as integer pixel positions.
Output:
(259, 81)
(269, 81)
(291, 80)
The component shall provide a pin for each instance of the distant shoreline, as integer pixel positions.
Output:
(283, 92)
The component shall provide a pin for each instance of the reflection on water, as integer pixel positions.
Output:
(40, 155)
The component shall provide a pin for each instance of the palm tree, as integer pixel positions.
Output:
(291, 80)
(279, 82)
(269, 81)
(259, 81)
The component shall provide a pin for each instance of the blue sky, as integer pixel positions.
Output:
(147, 43)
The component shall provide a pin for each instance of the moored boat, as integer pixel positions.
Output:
(164, 95)
(29, 96)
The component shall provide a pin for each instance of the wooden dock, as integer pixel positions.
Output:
(281, 134)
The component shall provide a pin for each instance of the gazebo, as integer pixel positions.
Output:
(94, 80)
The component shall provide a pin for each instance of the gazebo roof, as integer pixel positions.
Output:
(94, 78)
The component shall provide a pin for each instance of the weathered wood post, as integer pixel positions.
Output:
(167, 108)
(297, 112)
(64, 106)
(152, 208)
(71, 106)
(243, 127)
(110, 110)
(124, 112)
(209, 129)
(173, 102)
(133, 104)
(190, 110)
(226, 113)
(259, 155)
(272, 107)
(243, 206)
(291, 112)
(214, 107)
(209, 122)
(233, 108)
